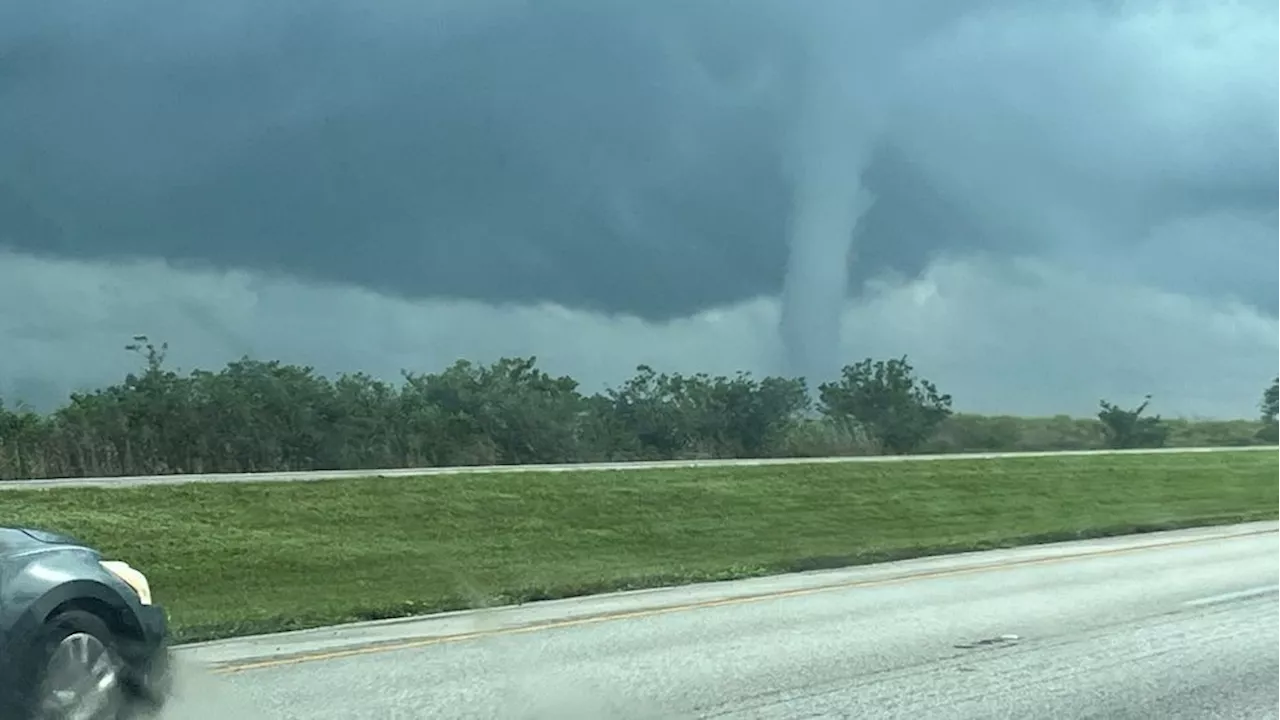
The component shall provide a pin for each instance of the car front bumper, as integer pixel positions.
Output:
(148, 662)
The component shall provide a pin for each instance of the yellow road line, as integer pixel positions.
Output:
(392, 646)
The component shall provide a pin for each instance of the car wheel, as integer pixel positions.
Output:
(78, 672)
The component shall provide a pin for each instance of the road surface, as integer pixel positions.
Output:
(1172, 625)
(313, 475)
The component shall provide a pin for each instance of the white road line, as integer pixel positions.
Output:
(312, 475)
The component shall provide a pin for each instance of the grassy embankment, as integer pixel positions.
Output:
(246, 558)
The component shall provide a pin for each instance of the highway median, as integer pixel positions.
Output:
(242, 558)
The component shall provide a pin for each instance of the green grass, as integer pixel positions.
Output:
(244, 558)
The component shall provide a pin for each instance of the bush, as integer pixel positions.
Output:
(255, 415)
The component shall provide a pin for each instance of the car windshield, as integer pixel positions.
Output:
(631, 359)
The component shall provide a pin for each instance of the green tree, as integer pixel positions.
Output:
(1124, 429)
(274, 415)
(742, 416)
(655, 412)
(364, 423)
(262, 415)
(888, 401)
(1271, 402)
(661, 415)
(1270, 406)
(509, 412)
(20, 442)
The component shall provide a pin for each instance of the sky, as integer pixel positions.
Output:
(1042, 204)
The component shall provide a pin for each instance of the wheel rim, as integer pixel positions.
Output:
(81, 681)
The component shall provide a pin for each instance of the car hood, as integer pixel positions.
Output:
(20, 541)
(48, 537)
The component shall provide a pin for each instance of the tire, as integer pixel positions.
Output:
(75, 652)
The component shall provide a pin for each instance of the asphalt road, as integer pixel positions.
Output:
(1172, 626)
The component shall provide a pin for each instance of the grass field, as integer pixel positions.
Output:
(245, 558)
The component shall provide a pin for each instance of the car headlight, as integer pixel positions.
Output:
(131, 577)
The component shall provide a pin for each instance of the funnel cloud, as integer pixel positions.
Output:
(759, 185)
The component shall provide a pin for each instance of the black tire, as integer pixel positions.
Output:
(56, 630)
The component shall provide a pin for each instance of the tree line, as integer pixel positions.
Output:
(255, 415)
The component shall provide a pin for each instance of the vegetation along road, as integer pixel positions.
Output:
(237, 558)
(1177, 626)
(240, 558)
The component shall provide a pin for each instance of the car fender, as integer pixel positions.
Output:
(49, 580)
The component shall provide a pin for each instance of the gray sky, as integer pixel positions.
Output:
(1043, 203)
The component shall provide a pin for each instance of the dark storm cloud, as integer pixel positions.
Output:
(620, 156)
(555, 154)
(629, 156)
